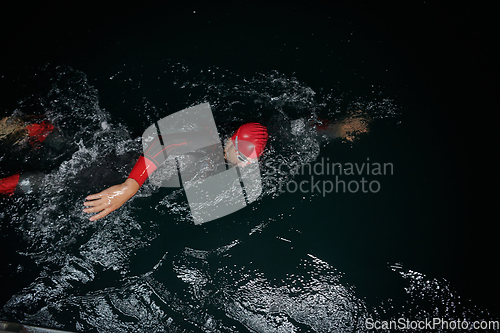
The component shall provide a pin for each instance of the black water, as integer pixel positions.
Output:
(423, 246)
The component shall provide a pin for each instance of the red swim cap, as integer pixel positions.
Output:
(250, 139)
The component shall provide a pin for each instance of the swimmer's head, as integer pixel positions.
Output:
(246, 144)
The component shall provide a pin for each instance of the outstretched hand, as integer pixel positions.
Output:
(110, 199)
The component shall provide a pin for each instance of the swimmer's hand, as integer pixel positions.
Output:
(110, 199)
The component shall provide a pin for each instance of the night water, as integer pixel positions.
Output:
(346, 236)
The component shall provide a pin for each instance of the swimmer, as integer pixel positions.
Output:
(15, 130)
(243, 148)
(21, 135)
(348, 128)
(18, 132)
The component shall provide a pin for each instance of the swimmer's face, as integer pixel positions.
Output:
(233, 157)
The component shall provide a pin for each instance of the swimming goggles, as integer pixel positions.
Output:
(242, 158)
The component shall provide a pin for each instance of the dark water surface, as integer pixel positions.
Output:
(420, 247)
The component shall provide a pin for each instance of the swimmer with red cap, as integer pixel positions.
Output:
(246, 144)
(244, 147)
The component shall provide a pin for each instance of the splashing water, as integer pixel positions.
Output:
(82, 278)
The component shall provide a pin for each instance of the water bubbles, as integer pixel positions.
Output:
(86, 266)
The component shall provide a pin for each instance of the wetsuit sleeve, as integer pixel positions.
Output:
(9, 184)
(157, 152)
(37, 133)
(142, 169)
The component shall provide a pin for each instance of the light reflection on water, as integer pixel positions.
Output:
(83, 280)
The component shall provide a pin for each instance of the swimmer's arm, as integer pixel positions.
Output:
(347, 128)
(110, 199)
(114, 197)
